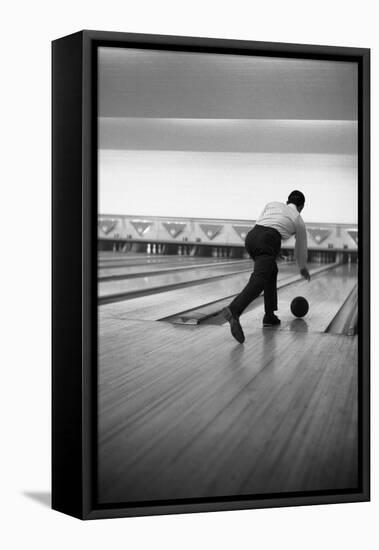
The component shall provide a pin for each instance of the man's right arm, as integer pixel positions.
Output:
(301, 247)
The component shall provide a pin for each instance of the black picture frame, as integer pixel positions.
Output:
(74, 294)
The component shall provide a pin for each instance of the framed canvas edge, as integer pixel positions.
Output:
(67, 428)
(87, 507)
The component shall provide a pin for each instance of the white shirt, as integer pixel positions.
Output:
(286, 219)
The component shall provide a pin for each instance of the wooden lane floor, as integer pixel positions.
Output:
(170, 302)
(185, 412)
(326, 294)
(125, 272)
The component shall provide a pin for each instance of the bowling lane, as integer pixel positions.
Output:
(127, 288)
(127, 256)
(147, 259)
(152, 258)
(148, 284)
(111, 255)
(134, 270)
(170, 302)
(325, 293)
(211, 313)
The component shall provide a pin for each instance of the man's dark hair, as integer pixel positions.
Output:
(297, 198)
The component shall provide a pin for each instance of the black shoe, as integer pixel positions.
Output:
(235, 326)
(270, 320)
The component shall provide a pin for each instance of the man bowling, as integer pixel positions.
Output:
(277, 222)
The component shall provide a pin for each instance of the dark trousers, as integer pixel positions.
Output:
(263, 245)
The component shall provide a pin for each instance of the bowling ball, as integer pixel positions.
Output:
(299, 306)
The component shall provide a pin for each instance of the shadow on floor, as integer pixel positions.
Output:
(42, 497)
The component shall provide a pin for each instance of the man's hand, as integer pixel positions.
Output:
(305, 273)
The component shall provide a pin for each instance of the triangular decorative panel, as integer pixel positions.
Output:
(174, 228)
(106, 225)
(318, 235)
(354, 235)
(211, 230)
(242, 230)
(141, 226)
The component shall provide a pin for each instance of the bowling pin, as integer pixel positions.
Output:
(149, 248)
